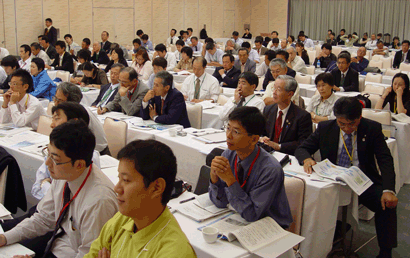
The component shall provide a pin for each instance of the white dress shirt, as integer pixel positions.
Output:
(198, 47)
(143, 71)
(174, 40)
(74, 46)
(254, 56)
(3, 74)
(209, 87)
(178, 55)
(322, 108)
(216, 57)
(43, 55)
(269, 93)
(25, 65)
(250, 101)
(171, 61)
(309, 43)
(299, 65)
(98, 130)
(3, 53)
(261, 69)
(284, 113)
(238, 41)
(95, 204)
(26, 112)
(371, 44)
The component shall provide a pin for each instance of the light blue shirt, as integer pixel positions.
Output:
(148, 45)
(151, 82)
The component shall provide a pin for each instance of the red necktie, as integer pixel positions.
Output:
(278, 127)
(162, 106)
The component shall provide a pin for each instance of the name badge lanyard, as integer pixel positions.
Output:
(250, 168)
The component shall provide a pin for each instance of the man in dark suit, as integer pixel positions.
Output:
(99, 55)
(50, 32)
(244, 64)
(287, 125)
(105, 44)
(227, 75)
(163, 104)
(48, 48)
(278, 68)
(402, 55)
(63, 60)
(259, 47)
(108, 91)
(346, 78)
(351, 134)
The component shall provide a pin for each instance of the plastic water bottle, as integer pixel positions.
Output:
(318, 63)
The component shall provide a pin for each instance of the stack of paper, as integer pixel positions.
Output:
(201, 132)
(107, 161)
(201, 208)
(212, 138)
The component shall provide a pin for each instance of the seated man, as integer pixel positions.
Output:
(130, 94)
(372, 43)
(158, 64)
(283, 44)
(161, 51)
(325, 56)
(402, 55)
(244, 96)
(72, 47)
(287, 125)
(295, 62)
(9, 64)
(236, 38)
(76, 221)
(263, 68)
(274, 34)
(213, 55)
(253, 55)
(63, 61)
(147, 43)
(275, 44)
(227, 75)
(172, 37)
(25, 62)
(137, 44)
(277, 68)
(67, 91)
(346, 78)
(196, 45)
(359, 63)
(246, 176)
(108, 91)
(19, 107)
(185, 37)
(231, 47)
(381, 49)
(179, 45)
(36, 51)
(144, 224)
(163, 104)
(48, 48)
(259, 48)
(244, 64)
(99, 56)
(307, 42)
(85, 44)
(335, 142)
(200, 86)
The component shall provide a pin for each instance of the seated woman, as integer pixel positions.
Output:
(84, 55)
(117, 56)
(19, 107)
(300, 49)
(43, 86)
(185, 64)
(398, 95)
(321, 105)
(93, 76)
(142, 65)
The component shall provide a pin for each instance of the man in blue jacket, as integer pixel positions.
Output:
(163, 104)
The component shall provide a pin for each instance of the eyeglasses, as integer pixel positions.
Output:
(13, 84)
(46, 154)
(55, 99)
(234, 132)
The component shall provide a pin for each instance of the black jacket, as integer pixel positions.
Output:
(67, 64)
(269, 76)
(103, 89)
(231, 78)
(52, 35)
(351, 82)
(397, 58)
(101, 58)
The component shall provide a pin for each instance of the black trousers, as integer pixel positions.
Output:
(385, 220)
(105, 151)
(38, 244)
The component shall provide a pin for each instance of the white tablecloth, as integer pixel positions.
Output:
(89, 97)
(210, 118)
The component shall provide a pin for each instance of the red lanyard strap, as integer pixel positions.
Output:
(250, 168)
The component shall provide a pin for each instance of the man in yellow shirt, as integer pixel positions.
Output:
(144, 226)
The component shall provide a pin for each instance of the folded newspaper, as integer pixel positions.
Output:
(353, 176)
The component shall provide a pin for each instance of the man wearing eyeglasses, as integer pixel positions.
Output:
(346, 78)
(81, 199)
(245, 175)
(351, 140)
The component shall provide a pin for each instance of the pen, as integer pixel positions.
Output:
(290, 161)
(187, 200)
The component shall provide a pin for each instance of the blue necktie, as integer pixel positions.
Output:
(344, 159)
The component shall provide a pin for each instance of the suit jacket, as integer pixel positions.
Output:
(249, 65)
(269, 76)
(351, 82)
(67, 64)
(52, 35)
(174, 110)
(397, 58)
(129, 107)
(231, 78)
(263, 50)
(370, 144)
(106, 47)
(102, 57)
(296, 128)
(103, 89)
(51, 52)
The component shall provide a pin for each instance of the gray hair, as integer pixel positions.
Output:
(166, 78)
(291, 48)
(244, 49)
(290, 83)
(278, 61)
(71, 91)
(230, 40)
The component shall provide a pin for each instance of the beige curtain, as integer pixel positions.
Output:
(316, 17)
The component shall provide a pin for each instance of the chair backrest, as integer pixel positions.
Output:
(387, 62)
(260, 84)
(318, 48)
(44, 125)
(374, 63)
(116, 133)
(178, 86)
(404, 67)
(222, 99)
(376, 57)
(49, 107)
(373, 99)
(310, 70)
(195, 115)
(392, 72)
(3, 180)
(303, 79)
(295, 191)
(221, 90)
(336, 50)
(372, 77)
(381, 116)
(361, 84)
(312, 56)
(63, 75)
(203, 180)
(370, 88)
